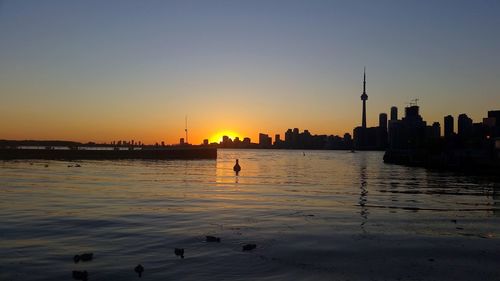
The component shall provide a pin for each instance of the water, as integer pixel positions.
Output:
(325, 215)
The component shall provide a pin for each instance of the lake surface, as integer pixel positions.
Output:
(314, 215)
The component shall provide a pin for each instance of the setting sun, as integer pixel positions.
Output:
(217, 137)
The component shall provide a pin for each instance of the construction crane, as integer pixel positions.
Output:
(186, 130)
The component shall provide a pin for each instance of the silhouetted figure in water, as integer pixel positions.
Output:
(237, 167)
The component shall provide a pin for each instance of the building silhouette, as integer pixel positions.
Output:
(373, 138)
(476, 147)
(394, 113)
(465, 126)
(393, 122)
(236, 141)
(411, 130)
(382, 130)
(382, 121)
(364, 98)
(492, 124)
(265, 141)
(434, 131)
(277, 140)
(294, 139)
(449, 130)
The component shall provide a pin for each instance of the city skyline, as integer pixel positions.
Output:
(226, 138)
(102, 71)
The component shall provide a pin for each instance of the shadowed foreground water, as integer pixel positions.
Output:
(325, 215)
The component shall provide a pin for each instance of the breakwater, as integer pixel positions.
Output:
(111, 154)
(477, 161)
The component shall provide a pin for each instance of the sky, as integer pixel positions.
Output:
(122, 70)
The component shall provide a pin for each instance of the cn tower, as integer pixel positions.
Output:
(364, 97)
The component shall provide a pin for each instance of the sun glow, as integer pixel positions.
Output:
(217, 137)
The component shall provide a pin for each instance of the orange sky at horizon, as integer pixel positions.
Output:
(148, 135)
(109, 130)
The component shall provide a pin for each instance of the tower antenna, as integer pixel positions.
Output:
(364, 79)
(186, 129)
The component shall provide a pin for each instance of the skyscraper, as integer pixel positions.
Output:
(448, 126)
(464, 125)
(277, 140)
(382, 121)
(382, 131)
(364, 97)
(394, 113)
(436, 130)
(264, 140)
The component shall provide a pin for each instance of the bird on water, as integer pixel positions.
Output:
(139, 269)
(237, 167)
(179, 252)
